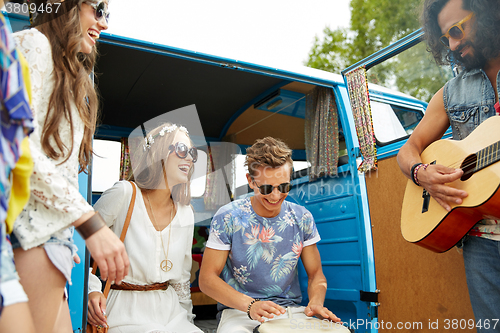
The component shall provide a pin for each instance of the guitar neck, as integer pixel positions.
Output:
(488, 156)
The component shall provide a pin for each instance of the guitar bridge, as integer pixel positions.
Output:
(427, 200)
(427, 197)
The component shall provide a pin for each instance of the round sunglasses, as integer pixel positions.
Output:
(182, 151)
(101, 10)
(268, 189)
(456, 31)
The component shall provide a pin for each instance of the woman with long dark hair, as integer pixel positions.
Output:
(61, 52)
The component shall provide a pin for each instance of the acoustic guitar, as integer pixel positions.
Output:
(424, 221)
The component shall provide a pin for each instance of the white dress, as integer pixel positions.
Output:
(149, 311)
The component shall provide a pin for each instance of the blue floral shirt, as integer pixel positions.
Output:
(263, 252)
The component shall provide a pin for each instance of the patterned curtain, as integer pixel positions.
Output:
(360, 102)
(125, 160)
(221, 178)
(210, 190)
(322, 133)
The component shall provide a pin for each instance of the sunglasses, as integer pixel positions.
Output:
(456, 31)
(101, 10)
(182, 151)
(268, 189)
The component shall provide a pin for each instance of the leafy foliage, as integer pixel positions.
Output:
(271, 291)
(268, 253)
(283, 265)
(254, 252)
(417, 73)
(374, 25)
(236, 285)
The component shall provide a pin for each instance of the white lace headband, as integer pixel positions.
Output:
(149, 140)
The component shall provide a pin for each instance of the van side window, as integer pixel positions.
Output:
(300, 169)
(106, 168)
(199, 177)
(393, 122)
(105, 164)
(400, 88)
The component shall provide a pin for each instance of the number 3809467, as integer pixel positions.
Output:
(17, 8)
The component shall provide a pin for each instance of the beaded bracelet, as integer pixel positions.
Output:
(415, 178)
(249, 306)
(412, 172)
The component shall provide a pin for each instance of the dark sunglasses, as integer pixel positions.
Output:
(456, 31)
(182, 151)
(268, 189)
(101, 10)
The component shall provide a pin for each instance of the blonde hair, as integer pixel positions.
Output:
(148, 164)
(269, 152)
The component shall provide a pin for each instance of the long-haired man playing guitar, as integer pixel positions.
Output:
(463, 32)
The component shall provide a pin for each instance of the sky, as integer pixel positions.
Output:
(270, 32)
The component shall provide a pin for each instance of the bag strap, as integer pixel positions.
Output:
(123, 234)
(129, 212)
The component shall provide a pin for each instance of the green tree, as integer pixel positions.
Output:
(374, 25)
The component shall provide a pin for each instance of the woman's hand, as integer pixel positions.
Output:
(265, 309)
(97, 309)
(104, 246)
(109, 253)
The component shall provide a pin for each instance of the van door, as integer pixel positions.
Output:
(419, 290)
(338, 204)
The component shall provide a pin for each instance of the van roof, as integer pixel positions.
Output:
(141, 80)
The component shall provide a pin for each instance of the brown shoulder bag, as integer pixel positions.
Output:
(101, 329)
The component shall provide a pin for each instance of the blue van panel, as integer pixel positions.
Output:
(340, 208)
(76, 292)
(17, 22)
(334, 203)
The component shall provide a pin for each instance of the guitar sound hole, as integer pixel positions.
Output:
(468, 166)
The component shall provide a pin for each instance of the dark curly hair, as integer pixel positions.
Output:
(486, 26)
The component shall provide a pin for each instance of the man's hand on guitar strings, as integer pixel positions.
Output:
(434, 180)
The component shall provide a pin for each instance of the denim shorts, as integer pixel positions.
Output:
(8, 269)
(10, 288)
(60, 249)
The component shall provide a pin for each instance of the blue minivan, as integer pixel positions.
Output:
(376, 280)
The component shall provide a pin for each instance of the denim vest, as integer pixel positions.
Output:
(469, 100)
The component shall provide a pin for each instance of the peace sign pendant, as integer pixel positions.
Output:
(166, 265)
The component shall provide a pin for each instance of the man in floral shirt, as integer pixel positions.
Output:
(250, 262)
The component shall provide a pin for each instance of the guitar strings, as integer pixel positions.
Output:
(485, 157)
(458, 163)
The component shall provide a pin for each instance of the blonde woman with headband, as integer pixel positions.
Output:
(60, 50)
(155, 296)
